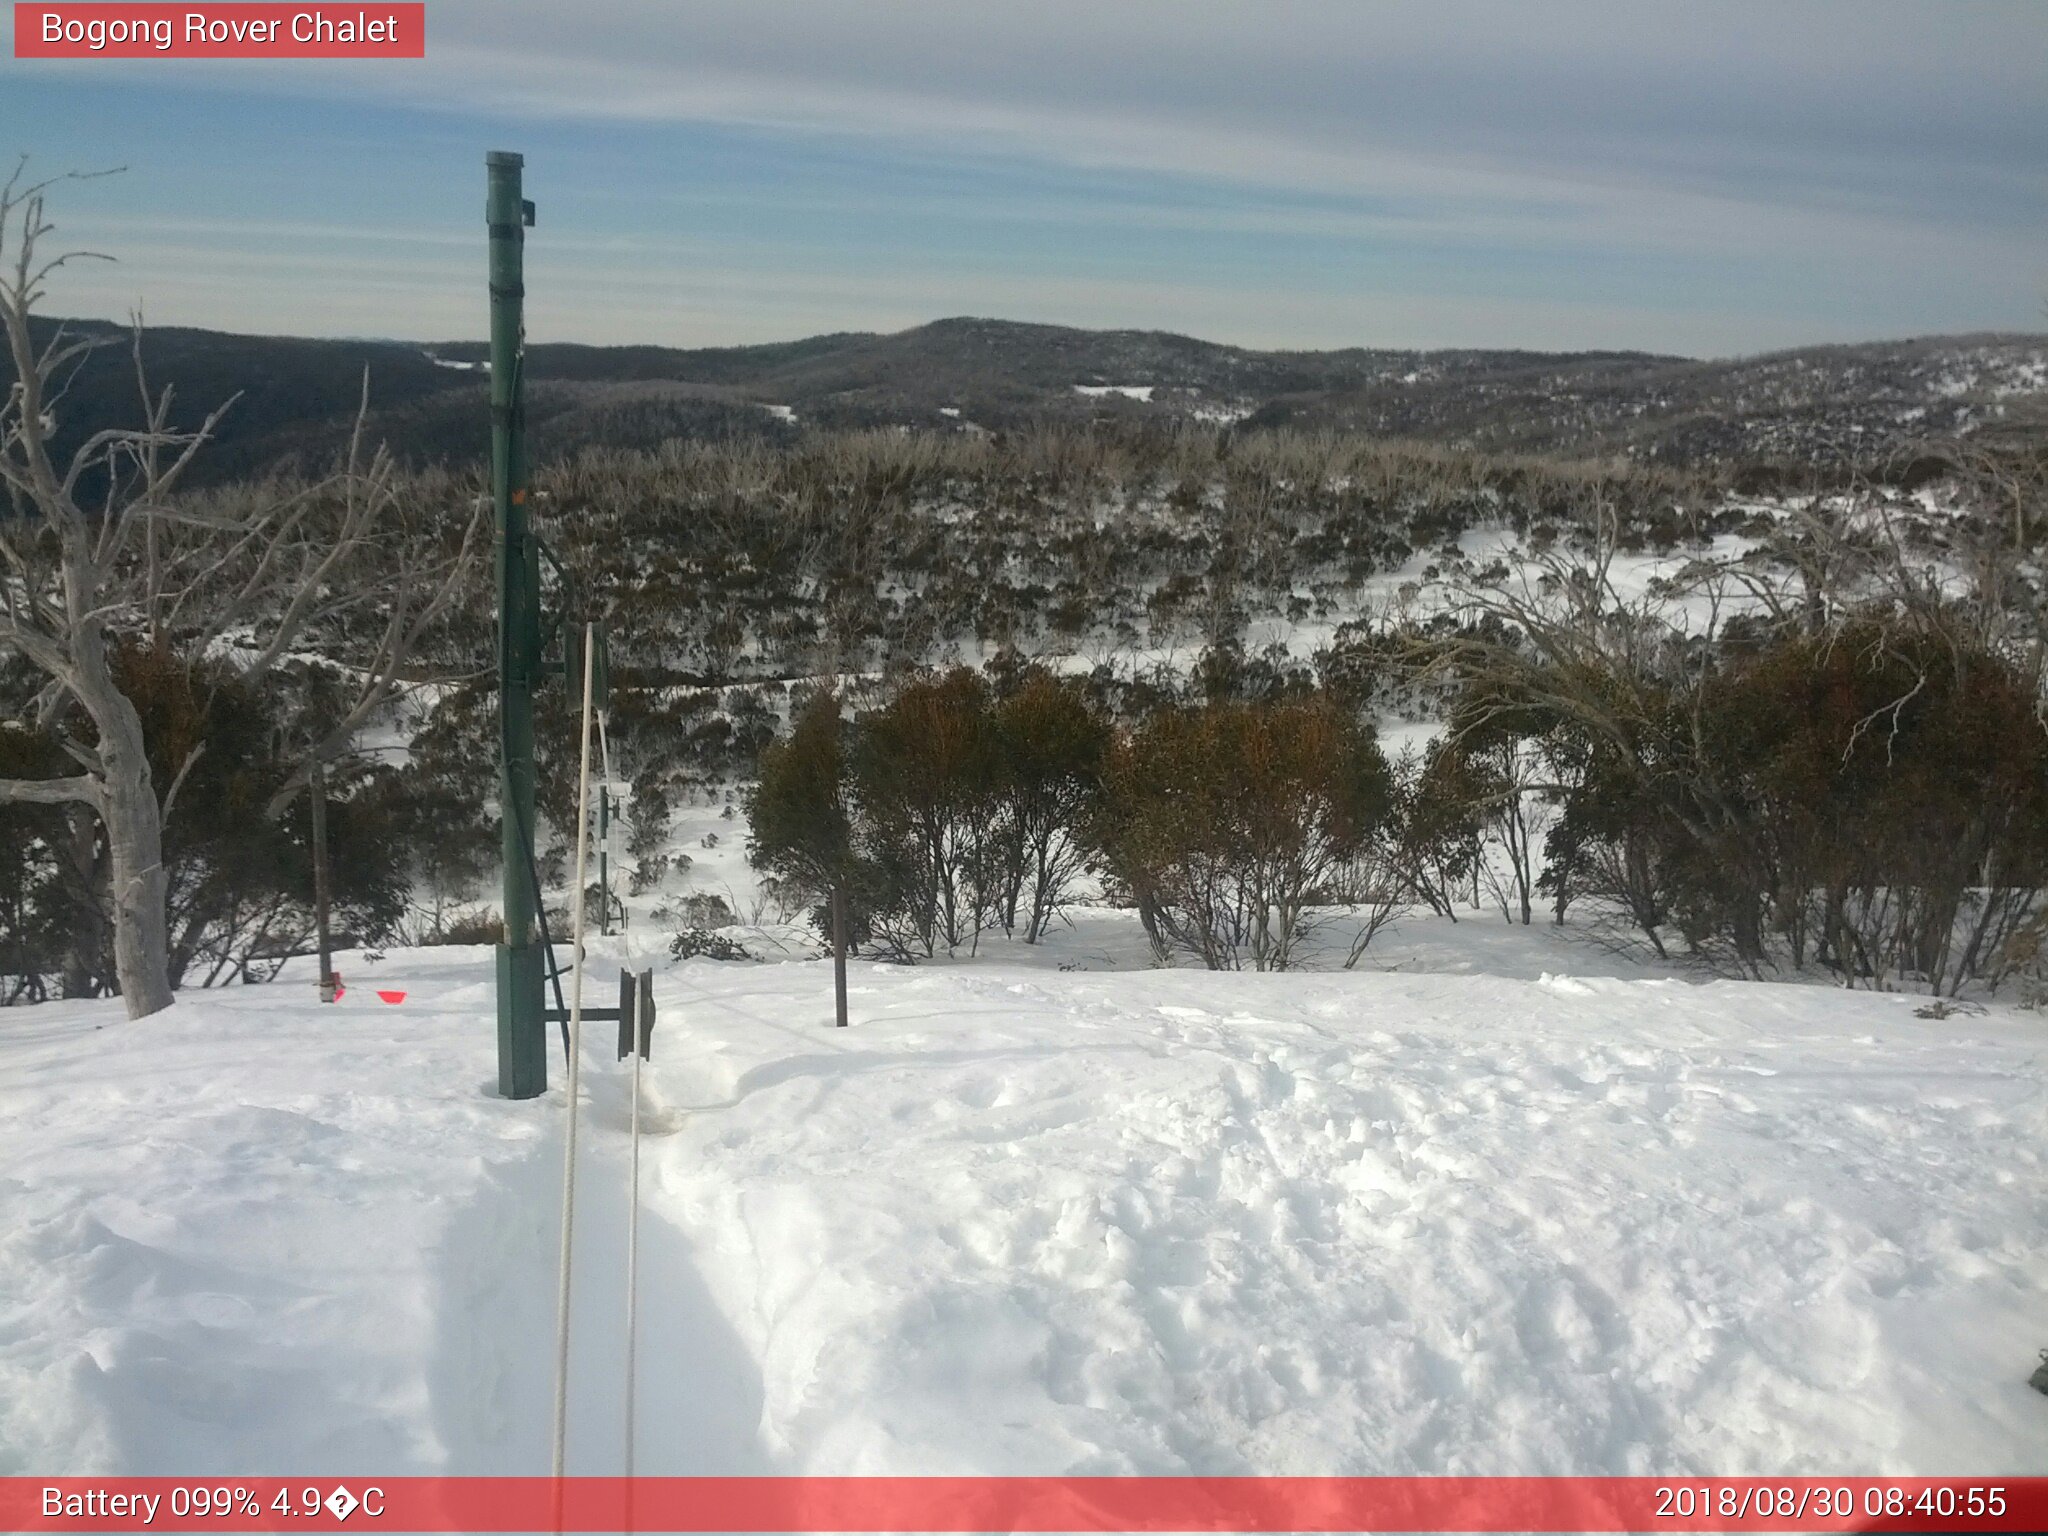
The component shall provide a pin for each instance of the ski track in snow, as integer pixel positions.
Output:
(1019, 1221)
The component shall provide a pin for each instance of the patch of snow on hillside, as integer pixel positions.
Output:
(1141, 392)
(780, 412)
(2025, 377)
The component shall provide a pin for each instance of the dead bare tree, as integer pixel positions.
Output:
(102, 553)
(59, 610)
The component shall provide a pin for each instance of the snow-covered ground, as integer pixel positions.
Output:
(1504, 1204)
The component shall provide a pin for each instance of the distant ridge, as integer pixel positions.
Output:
(964, 372)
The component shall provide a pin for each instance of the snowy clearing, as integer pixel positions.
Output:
(1470, 1215)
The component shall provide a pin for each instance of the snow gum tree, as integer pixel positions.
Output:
(798, 817)
(927, 774)
(1052, 746)
(1231, 821)
(1826, 750)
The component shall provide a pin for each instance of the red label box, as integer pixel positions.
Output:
(370, 30)
(1744, 1506)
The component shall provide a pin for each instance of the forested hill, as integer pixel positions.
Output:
(1820, 404)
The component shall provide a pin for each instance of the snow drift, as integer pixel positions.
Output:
(1019, 1220)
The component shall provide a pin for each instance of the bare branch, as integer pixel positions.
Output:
(83, 789)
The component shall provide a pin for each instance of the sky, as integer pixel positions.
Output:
(1711, 179)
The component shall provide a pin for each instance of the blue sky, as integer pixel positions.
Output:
(1709, 178)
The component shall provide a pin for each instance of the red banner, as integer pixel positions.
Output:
(954, 1504)
(217, 31)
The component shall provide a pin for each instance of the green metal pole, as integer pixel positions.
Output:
(522, 1033)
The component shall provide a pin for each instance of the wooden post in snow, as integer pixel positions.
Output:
(317, 794)
(839, 951)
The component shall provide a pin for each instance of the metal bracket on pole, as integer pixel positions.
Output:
(636, 1014)
(571, 664)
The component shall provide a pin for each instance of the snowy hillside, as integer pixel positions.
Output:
(1468, 1214)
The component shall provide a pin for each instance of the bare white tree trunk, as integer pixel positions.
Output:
(123, 795)
(134, 825)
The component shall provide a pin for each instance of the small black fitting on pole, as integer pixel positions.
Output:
(604, 858)
(522, 1034)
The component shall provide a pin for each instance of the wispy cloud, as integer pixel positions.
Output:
(1308, 171)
